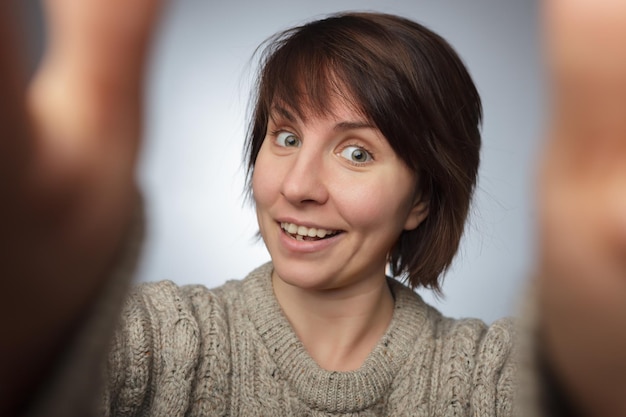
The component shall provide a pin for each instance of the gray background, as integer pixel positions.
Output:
(201, 231)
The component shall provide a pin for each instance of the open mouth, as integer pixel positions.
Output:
(307, 233)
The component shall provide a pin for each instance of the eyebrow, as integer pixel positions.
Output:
(282, 112)
(341, 126)
(353, 125)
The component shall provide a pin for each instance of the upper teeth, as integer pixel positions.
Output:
(294, 229)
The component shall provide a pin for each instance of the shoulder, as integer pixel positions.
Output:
(472, 366)
(468, 346)
(184, 311)
(486, 342)
(172, 342)
(165, 304)
(479, 360)
(479, 365)
(464, 333)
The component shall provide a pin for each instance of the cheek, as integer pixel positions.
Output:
(263, 194)
(258, 187)
(383, 201)
(264, 185)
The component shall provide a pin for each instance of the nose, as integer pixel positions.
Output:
(304, 181)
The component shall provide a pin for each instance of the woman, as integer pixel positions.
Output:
(363, 150)
(384, 109)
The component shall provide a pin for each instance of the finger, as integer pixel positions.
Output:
(94, 66)
(86, 99)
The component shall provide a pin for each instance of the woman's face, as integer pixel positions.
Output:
(331, 197)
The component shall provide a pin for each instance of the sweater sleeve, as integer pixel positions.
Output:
(169, 355)
(495, 378)
(477, 371)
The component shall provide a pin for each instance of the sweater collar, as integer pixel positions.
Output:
(332, 391)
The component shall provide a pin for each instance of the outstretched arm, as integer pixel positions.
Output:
(68, 147)
(583, 204)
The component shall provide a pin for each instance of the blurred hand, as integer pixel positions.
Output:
(583, 203)
(67, 163)
(85, 101)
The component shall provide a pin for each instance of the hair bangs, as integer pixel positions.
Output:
(306, 73)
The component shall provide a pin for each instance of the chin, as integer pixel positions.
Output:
(304, 277)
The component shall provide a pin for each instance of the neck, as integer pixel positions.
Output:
(338, 327)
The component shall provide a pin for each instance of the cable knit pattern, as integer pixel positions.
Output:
(230, 351)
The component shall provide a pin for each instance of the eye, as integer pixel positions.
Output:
(356, 154)
(287, 140)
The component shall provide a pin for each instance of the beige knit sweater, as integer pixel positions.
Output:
(190, 351)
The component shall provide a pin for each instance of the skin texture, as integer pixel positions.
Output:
(306, 174)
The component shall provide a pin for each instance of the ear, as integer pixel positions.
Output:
(418, 213)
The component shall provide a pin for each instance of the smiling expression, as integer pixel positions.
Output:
(332, 198)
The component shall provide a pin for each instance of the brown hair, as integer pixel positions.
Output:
(413, 87)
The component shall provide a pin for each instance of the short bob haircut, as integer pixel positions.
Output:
(409, 83)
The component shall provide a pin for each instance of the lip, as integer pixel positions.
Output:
(294, 246)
